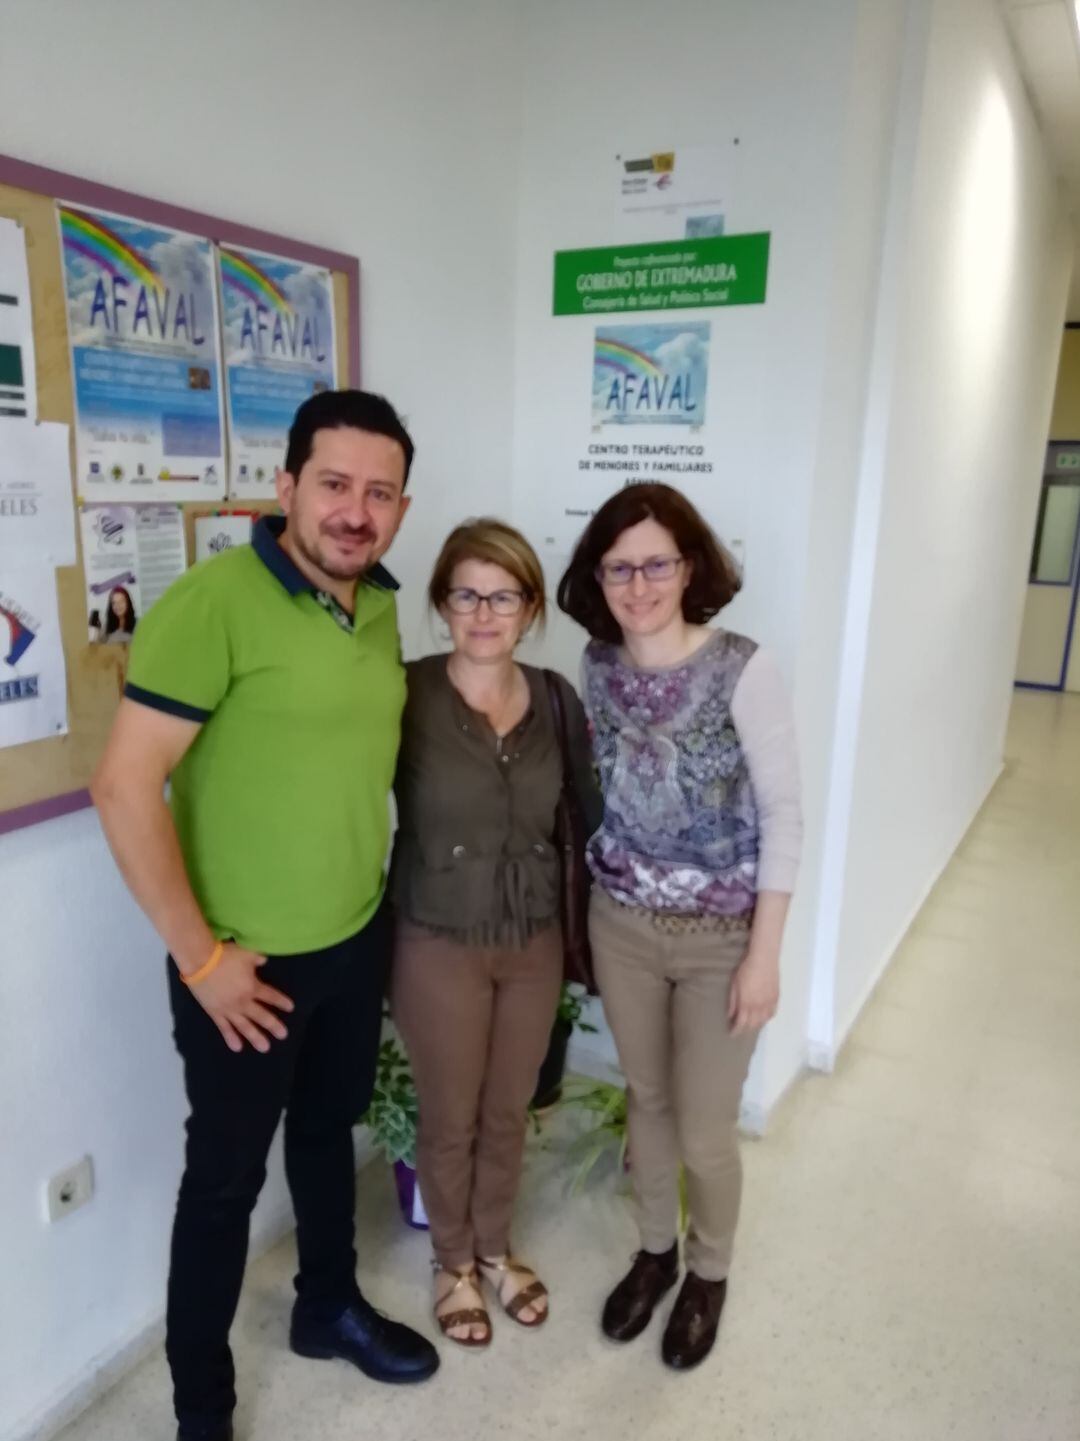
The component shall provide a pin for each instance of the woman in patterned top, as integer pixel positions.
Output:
(693, 869)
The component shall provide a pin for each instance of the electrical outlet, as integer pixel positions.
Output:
(70, 1189)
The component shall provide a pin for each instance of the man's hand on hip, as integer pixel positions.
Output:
(239, 1003)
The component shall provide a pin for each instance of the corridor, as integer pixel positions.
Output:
(909, 1260)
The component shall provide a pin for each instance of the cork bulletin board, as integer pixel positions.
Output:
(48, 778)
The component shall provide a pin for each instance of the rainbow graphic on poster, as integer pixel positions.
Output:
(88, 235)
(624, 359)
(240, 273)
(142, 318)
(651, 374)
(278, 326)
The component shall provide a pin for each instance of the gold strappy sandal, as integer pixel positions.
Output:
(497, 1273)
(466, 1315)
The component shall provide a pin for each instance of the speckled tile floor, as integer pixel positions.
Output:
(909, 1259)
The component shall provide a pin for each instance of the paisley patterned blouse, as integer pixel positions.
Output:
(699, 776)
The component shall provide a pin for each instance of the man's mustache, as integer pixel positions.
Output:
(349, 532)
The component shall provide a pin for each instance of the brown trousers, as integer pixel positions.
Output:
(476, 1022)
(665, 997)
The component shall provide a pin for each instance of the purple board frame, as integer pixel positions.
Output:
(58, 185)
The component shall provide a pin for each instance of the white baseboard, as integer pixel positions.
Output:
(102, 1373)
(106, 1369)
(822, 1055)
(91, 1382)
(754, 1119)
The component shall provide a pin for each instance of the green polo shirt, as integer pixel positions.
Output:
(281, 803)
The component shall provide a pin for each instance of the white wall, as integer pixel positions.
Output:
(381, 129)
(869, 383)
(961, 388)
(85, 1066)
(767, 363)
(873, 419)
(876, 108)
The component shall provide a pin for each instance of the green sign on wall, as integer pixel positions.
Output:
(671, 275)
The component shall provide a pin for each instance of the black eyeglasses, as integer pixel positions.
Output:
(621, 572)
(463, 601)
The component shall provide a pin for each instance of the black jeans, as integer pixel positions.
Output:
(321, 1076)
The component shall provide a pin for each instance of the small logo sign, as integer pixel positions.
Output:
(22, 631)
(651, 374)
(662, 163)
(109, 527)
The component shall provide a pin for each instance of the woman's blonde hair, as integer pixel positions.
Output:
(497, 543)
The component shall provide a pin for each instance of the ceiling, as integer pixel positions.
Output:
(1045, 37)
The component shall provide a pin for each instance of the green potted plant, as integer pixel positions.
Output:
(391, 1122)
(568, 1018)
(605, 1102)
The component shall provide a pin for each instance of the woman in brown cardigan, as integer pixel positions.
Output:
(475, 876)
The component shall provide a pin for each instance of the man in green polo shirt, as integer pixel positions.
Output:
(267, 686)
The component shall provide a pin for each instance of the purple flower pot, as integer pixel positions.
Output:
(409, 1198)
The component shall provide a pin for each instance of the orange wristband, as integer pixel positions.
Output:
(204, 970)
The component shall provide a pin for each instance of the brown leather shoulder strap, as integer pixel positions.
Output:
(558, 711)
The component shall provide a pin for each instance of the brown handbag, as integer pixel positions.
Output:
(571, 836)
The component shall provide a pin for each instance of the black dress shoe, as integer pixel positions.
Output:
(628, 1310)
(383, 1349)
(215, 1431)
(693, 1323)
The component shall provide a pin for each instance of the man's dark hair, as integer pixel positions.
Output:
(714, 575)
(337, 409)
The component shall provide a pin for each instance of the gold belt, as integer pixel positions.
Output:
(673, 923)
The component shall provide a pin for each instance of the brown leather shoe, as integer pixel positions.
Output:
(692, 1325)
(628, 1310)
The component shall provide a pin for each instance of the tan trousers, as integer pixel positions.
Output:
(665, 997)
(476, 1022)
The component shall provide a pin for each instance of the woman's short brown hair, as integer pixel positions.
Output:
(714, 575)
(497, 543)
